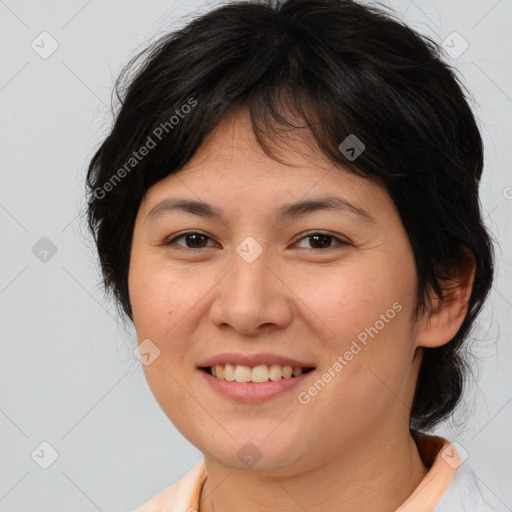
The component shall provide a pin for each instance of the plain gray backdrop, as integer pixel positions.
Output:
(73, 396)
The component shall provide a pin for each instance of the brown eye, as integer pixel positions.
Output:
(322, 240)
(193, 239)
(196, 240)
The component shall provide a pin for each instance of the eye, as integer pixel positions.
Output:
(197, 240)
(322, 240)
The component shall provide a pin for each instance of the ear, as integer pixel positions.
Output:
(443, 323)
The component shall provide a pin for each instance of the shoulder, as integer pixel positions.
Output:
(178, 496)
(468, 493)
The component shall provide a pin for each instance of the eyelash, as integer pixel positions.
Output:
(310, 235)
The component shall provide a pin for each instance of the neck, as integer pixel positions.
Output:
(367, 476)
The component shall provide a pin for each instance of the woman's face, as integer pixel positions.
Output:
(331, 289)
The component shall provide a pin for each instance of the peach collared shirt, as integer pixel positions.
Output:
(436, 452)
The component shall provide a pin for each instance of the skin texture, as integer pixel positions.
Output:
(350, 445)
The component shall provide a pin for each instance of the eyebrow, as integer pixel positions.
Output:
(286, 211)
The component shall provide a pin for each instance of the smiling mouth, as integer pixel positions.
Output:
(254, 374)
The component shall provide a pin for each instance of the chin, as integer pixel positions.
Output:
(259, 454)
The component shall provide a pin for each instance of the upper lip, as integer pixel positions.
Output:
(254, 360)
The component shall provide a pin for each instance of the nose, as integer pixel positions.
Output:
(253, 297)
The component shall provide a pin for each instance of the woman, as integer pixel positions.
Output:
(287, 209)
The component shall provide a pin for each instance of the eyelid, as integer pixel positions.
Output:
(340, 242)
(171, 240)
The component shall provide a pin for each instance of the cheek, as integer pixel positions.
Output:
(362, 315)
(365, 318)
(159, 301)
(348, 300)
(158, 297)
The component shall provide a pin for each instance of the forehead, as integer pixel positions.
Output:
(230, 168)
(234, 138)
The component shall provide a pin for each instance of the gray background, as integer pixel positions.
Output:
(68, 373)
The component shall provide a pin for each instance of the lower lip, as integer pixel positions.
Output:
(250, 392)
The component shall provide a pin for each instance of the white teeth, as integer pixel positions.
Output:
(229, 372)
(242, 373)
(260, 373)
(276, 372)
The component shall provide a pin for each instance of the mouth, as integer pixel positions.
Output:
(255, 374)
